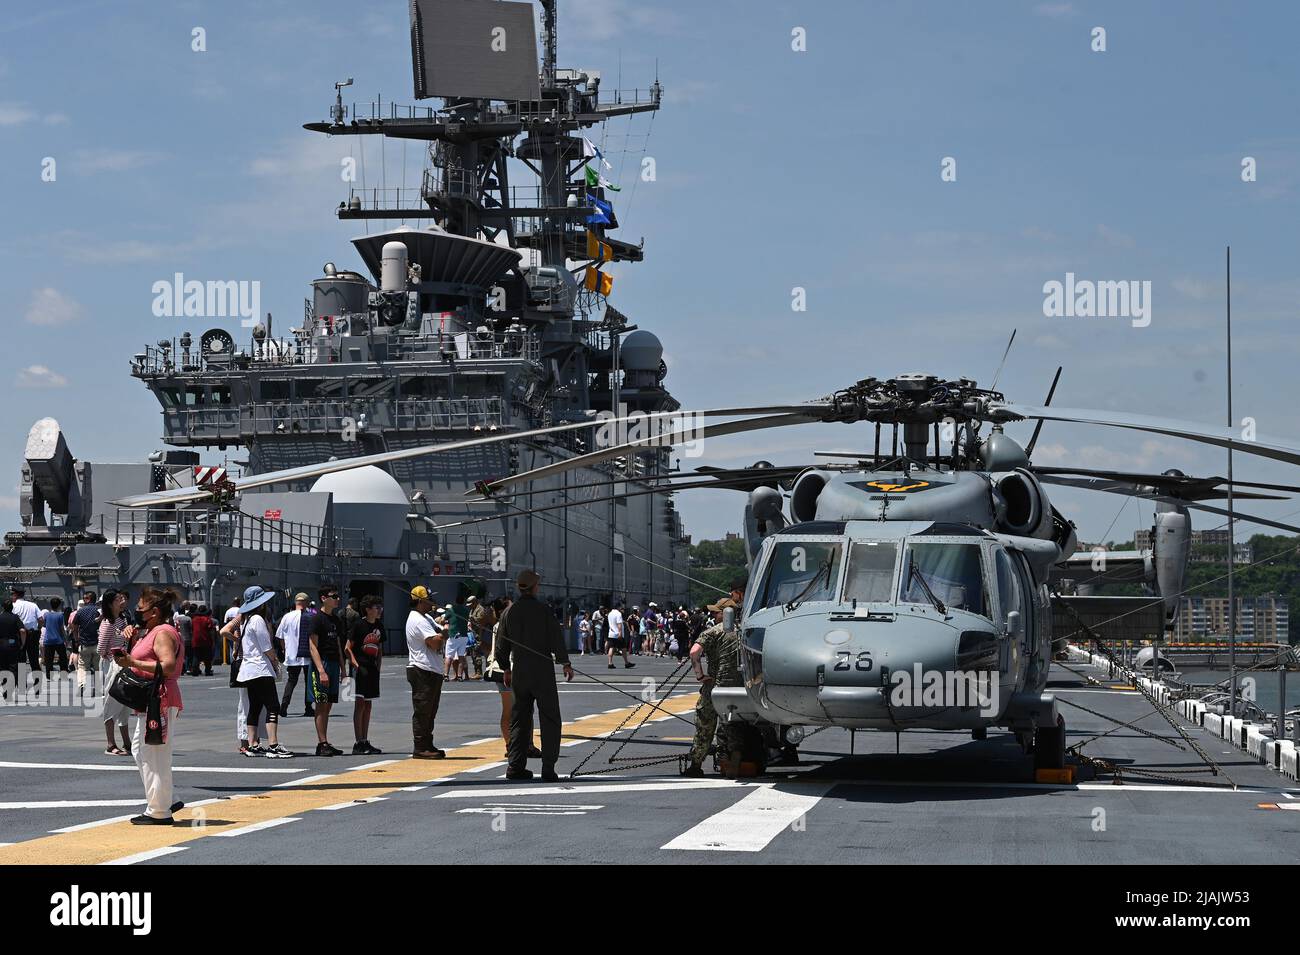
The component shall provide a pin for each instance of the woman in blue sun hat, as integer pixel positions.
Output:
(258, 668)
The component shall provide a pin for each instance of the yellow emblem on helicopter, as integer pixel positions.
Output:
(897, 488)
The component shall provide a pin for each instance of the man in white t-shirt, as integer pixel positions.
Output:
(30, 615)
(425, 671)
(295, 659)
(617, 639)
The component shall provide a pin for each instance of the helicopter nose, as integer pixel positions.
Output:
(848, 672)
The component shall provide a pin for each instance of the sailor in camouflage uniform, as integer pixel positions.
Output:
(722, 648)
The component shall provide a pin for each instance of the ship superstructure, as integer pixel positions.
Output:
(489, 316)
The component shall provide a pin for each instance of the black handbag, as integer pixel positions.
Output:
(134, 691)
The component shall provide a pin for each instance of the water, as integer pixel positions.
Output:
(1266, 684)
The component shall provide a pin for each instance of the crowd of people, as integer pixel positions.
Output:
(513, 642)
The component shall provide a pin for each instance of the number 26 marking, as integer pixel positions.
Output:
(862, 663)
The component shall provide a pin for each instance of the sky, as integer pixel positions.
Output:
(776, 169)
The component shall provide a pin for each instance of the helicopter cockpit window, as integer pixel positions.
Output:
(1008, 586)
(952, 572)
(870, 576)
(800, 571)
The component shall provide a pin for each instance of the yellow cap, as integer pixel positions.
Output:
(420, 593)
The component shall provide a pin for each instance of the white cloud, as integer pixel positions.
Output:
(1195, 288)
(16, 114)
(39, 376)
(112, 160)
(1116, 238)
(11, 114)
(51, 307)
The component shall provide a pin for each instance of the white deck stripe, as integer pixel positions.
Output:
(146, 856)
(751, 823)
(348, 805)
(558, 789)
(73, 804)
(258, 827)
(130, 767)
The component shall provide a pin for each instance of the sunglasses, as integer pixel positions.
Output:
(330, 596)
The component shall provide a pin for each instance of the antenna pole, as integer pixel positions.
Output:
(550, 42)
(1232, 599)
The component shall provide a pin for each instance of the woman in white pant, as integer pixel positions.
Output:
(159, 647)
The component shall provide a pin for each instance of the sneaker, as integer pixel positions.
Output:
(277, 751)
(253, 749)
(334, 750)
(359, 748)
(176, 807)
(428, 754)
(373, 750)
(611, 666)
(325, 749)
(628, 666)
(151, 821)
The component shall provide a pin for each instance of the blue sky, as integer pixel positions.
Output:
(776, 169)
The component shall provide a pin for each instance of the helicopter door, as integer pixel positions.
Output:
(1011, 599)
(1030, 621)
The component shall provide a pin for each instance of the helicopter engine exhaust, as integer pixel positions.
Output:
(1024, 509)
(803, 500)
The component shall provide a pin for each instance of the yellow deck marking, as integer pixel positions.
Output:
(116, 841)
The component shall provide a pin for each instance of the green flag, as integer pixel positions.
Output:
(594, 179)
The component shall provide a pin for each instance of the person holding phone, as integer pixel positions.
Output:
(160, 648)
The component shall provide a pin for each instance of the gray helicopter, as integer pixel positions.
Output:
(910, 589)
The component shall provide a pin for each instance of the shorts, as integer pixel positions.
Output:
(616, 643)
(367, 681)
(325, 694)
(457, 648)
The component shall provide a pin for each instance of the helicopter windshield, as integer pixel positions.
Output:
(870, 577)
(800, 571)
(953, 573)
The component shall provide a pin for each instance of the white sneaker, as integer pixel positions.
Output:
(276, 751)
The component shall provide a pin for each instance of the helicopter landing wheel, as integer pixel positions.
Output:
(1049, 746)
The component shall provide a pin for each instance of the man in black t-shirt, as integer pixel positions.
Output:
(364, 649)
(327, 666)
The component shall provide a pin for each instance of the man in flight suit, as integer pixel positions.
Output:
(722, 648)
(529, 643)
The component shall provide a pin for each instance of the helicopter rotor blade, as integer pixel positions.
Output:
(187, 495)
(1184, 486)
(1038, 428)
(1237, 515)
(604, 454)
(1002, 364)
(591, 502)
(1149, 490)
(1276, 448)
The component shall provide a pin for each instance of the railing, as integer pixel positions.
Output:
(336, 417)
(503, 110)
(306, 349)
(238, 530)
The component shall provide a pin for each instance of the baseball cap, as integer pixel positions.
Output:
(528, 579)
(420, 593)
(723, 604)
(471, 599)
(301, 598)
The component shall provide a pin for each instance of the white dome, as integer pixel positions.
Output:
(641, 351)
(364, 485)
